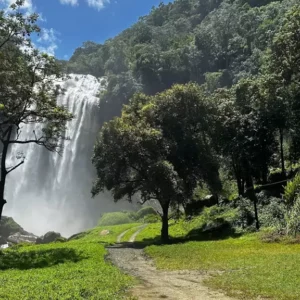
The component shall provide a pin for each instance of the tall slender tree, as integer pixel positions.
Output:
(27, 91)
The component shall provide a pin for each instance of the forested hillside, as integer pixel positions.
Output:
(213, 41)
(229, 126)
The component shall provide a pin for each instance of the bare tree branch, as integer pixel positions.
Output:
(15, 167)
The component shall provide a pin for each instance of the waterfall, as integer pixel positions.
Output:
(52, 192)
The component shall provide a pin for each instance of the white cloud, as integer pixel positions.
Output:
(47, 42)
(98, 4)
(70, 2)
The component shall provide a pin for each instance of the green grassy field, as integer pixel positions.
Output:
(77, 269)
(250, 267)
(151, 234)
(70, 270)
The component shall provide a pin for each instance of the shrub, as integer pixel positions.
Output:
(272, 215)
(293, 218)
(115, 218)
(291, 190)
(271, 235)
(215, 219)
(145, 211)
(245, 214)
(61, 240)
(151, 219)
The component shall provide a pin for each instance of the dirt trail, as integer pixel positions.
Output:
(155, 284)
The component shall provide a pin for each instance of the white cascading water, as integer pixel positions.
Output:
(51, 192)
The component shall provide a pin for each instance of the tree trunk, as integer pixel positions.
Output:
(239, 179)
(240, 185)
(281, 152)
(165, 223)
(251, 193)
(4, 170)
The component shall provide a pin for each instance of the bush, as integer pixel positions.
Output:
(215, 220)
(293, 218)
(292, 190)
(272, 214)
(151, 219)
(245, 213)
(115, 218)
(61, 240)
(145, 211)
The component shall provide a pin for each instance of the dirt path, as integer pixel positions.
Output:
(155, 284)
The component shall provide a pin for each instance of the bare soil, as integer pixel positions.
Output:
(157, 284)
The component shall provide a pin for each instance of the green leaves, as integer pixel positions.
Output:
(160, 147)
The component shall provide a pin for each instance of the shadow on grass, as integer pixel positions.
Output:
(12, 259)
(193, 235)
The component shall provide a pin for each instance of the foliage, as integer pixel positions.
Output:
(151, 219)
(28, 92)
(273, 214)
(147, 151)
(72, 270)
(293, 218)
(24, 260)
(115, 218)
(292, 190)
(216, 41)
(145, 211)
(213, 220)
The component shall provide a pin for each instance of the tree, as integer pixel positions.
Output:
(284, 61)
(246, 133)
(160, 148)
(28, 95)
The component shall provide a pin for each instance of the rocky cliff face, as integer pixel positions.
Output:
(12, 233)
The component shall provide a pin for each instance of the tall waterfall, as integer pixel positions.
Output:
(52, 192)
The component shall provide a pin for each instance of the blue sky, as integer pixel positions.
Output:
(68, 23)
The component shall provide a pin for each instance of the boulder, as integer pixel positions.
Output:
(18, 238)
(104, 232)
(9, 227)
(3, 240)
(49, 237)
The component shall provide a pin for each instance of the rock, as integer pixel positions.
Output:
(3, 240)
(9, 227)
(104, 232)
(4, 246)
(18, 238)
(49, 237)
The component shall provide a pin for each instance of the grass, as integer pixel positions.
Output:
(251, 268)
(151, 234)
(130, 233)
(72, 270)
(78, 270)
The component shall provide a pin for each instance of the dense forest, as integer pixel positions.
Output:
(213, 41)
(229, 127)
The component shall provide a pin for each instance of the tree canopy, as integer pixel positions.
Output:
(160, 148)
(179, 42)
(28, 92)
(241, 117)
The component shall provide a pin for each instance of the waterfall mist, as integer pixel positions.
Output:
(52, 192)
